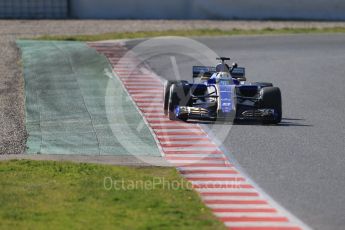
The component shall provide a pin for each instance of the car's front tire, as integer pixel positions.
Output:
(166, 95)
(173, 101)
(271, 99)
(177, 97)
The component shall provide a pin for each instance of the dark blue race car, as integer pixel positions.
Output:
(222, 94)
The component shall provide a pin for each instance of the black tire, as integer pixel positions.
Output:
(173, 101)
(177, 97)
(166, 94)
(271, 99)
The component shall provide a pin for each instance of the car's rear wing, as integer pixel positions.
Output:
(203, 71)
(207, 71)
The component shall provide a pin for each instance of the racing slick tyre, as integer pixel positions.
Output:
(271, 99)
(166, 94)
(177, 97)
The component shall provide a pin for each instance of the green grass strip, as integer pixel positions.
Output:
(193, 33)
(62, 195)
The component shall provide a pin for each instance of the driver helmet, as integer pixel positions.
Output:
(222, 68)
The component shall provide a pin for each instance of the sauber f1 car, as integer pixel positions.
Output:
(222, 93)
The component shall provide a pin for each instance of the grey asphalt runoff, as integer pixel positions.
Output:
(301, 162)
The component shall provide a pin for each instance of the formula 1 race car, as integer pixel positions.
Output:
(222, 94)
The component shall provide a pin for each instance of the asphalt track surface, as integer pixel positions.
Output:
(300, 163)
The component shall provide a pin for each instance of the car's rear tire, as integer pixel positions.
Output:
(271, 99)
